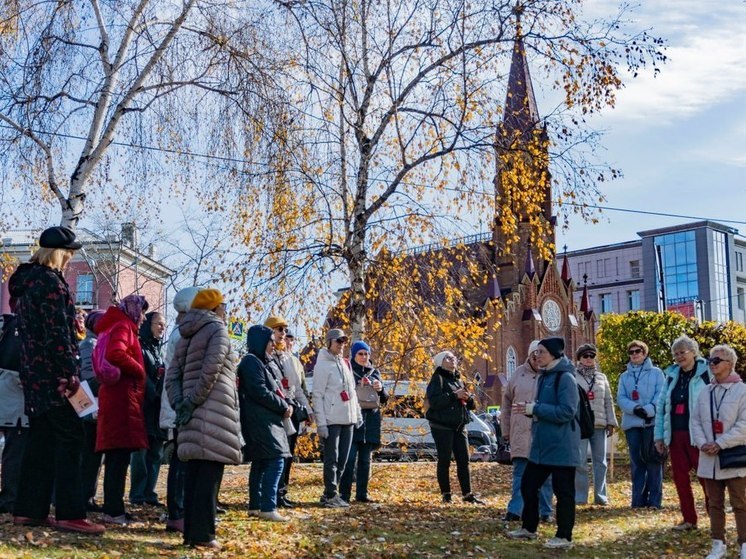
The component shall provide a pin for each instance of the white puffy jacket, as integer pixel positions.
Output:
(331, 376)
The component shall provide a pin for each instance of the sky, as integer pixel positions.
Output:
(680, 137)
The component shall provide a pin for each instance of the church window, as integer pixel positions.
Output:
(511, 362)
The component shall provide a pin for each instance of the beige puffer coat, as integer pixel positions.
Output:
(203, 370)
(521, 388)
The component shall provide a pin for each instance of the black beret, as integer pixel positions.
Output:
(59, 237)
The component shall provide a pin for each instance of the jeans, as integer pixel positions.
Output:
(563, 485)
(202, 483)
(90, 462)
(15, 445)
(116, 462)
(647, 479)
(145, 464)
(598, 459)
(447, 442)
(175, 484)
(358, 467)
(51, 461)
(264, 480)
(336, 451)
(515, 506)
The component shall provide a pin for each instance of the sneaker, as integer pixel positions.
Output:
(284, 503)
(80, 525)
(119, 520)
(718, 550)
(273, 516)
(254, 512)
(212, 544)
(522, 534)
(323, 499)
(546, 519)
(175, 525)
(26, 521)
(511, 517)
(470, 498)
(446, 497)
(558, 543)
(684, 526)
(336, 502)
(364, 500)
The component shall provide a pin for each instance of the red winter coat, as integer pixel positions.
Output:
(121, 422)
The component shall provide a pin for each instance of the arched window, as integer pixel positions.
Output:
(511, 362)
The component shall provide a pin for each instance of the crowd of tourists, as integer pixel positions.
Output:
(193, 392)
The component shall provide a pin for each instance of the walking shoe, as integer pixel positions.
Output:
(254, 512)
(336, 502)
(175, 525)
(323, 499)
(284, 503)
(521, 534)
(80, 525)
(212, 544)
(546, 519)
(119, 520)
(364, 500)
(718, 550)
(273, 516)
(684, 526)
(510, 517)
(470, 498)
(446, 497)
(26, 521)
(558, 543)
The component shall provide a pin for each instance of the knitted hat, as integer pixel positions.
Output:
(207, 299)
(585, 348)
(357, 346)
(92, 318)
(335, 334)
(275, 322)
(555, 346)
(438, 359)
(183, 299)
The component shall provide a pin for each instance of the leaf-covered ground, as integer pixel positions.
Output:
(408, 521)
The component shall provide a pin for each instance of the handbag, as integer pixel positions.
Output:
(733, 457)
(648, 453)
(503, 453)
(300, 412)
(367, 397)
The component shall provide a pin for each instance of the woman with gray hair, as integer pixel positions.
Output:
(718, 423)
(685, 379)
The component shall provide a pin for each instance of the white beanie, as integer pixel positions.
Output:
(438, 359)
(533, 346)
(183, 299)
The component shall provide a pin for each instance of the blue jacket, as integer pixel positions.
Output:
(649, 385)
(555, 433)
(702, 377)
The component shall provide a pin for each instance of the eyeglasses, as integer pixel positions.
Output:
(717, 360)
(635, 350)
(588, 356)
(341, 340)
(681, 353)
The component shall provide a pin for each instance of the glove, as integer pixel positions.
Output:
(68, 387)
(184, 412)
(359, 423)
(322, 431)
(640, 412)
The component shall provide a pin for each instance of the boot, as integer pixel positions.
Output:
(718, 550)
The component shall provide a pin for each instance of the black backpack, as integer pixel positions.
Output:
(585, 417)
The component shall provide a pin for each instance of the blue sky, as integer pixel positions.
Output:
(679, 138)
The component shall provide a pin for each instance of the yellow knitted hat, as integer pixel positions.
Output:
(208, 299)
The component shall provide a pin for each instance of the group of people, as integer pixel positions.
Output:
(224, 411)
(693, 413)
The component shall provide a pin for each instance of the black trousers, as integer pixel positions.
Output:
(202, 483)
(51, 462)
(90, 461)
(116, 462)
(447, 442)
(175, 483)
(285, 479)
(563, 485)
(15, 446)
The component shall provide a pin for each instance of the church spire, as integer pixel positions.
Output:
(521, 115)
(566, 277)
(585, 300)
(530, 267)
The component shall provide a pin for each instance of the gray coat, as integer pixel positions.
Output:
(203, 371)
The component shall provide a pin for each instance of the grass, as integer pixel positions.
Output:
(407, 521)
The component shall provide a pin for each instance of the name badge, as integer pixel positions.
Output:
(591, 395)
(635, 395)
(717, 427)
(679, 409)
(285, 383)
(345, 397)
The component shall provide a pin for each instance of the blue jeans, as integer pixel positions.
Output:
(264, 480)
(358, 467)
(647, 479)
(145, 465)
(515, 506)
(598, 458)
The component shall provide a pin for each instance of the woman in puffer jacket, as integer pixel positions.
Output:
(201, 386)
(719, 423)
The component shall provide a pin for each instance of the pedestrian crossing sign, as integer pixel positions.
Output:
(237, 329)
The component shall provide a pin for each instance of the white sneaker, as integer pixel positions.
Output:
(336, 502)
(273, 516)
(522, 534)
(718, 550)
(558, 543)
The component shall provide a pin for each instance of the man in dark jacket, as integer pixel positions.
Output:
(555, 443)
(263, 409)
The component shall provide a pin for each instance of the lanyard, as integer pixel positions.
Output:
(637, 376)
(342, 375)
(716, 406)
(685, 380)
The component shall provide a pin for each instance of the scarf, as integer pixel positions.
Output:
(133, 306)
(587, 373)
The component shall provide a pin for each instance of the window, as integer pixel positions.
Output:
(600, 271)
(679, 262)
(606, 305)
(511, 362)
(84, 290)
(741, 298)
(634, 269)
(720, 304)
(633, 300)
(739, 261)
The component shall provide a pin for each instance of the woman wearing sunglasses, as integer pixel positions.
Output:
(639, 389)
(685, 379)
(596, 386)
(719, 422)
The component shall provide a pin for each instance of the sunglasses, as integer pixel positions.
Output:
(341, 340)
(282, 328)
(716, 360)
(635, 351)
(588, 356)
